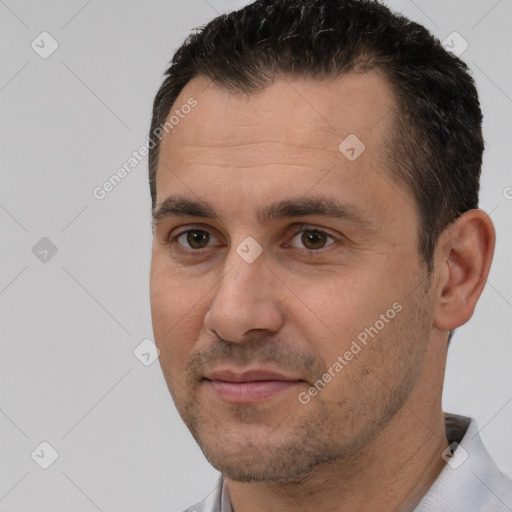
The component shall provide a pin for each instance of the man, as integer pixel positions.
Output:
(317, 238)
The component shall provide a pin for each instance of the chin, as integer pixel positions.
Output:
(250, 463)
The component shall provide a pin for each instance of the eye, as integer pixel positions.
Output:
(195, 239)
(313, 239)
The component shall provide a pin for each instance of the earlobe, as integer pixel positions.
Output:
(462, 261)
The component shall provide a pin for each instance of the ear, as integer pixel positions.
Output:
(462, 261)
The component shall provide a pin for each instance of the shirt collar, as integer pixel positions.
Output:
(470, 480)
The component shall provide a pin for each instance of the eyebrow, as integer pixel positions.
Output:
(323, 206)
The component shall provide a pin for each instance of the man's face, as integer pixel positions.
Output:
(258, 297)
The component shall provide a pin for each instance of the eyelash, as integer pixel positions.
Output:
(173, 240)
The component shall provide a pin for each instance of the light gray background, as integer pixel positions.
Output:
(69, 326)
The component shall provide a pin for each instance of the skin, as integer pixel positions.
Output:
(372, 438)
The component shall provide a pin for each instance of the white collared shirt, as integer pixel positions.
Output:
(470, 481)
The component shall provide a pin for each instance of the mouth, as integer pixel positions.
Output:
(249, 386)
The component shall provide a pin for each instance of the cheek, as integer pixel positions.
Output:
(173, 295)
(339, 305)
(165, 306)
(178, 308)
(342, 309)
(168, 306)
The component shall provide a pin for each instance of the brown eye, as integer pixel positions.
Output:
(194, 239)
(312, 239)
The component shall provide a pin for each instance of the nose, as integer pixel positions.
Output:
(247, 298)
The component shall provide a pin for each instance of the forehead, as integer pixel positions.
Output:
(283, 140)
(307, 114)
